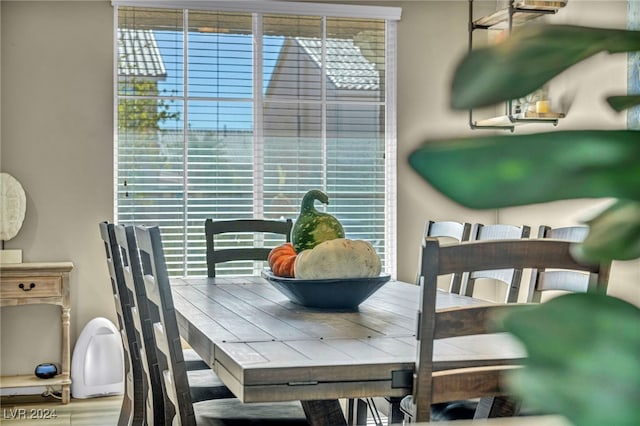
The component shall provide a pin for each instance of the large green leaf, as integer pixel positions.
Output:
(613, 235)
(620, 103)
(510, 170)
(583, 359)
(529, 58)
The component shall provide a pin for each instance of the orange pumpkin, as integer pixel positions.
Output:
(282, 260)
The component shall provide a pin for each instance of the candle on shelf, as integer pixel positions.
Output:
(542, 107)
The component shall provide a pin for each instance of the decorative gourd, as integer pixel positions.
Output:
(282, 260)
(338, 258)
(313, 227)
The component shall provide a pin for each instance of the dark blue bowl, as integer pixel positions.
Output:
(46, 371)
(335, 293)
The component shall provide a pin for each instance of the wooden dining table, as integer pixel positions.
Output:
(266, 348)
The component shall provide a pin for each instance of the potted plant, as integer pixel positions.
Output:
(584, 349)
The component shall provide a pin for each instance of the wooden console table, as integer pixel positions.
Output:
(38, 283)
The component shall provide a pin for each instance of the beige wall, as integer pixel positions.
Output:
(423, 96)
(428, 50)
(57, 132)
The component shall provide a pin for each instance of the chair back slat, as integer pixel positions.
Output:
(253, 253)
(255, 250)
(546, 279)
(511, 277)
(448, 386)
(575, 234)
(459, 231)
(499, 254)
(563, 281)
(469, 320)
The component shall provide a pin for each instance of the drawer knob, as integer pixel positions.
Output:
(31, 286)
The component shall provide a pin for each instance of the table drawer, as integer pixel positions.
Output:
(25, 287)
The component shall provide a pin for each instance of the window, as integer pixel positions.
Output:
(237, 114)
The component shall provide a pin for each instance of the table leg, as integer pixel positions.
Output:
(357, 411)
(395, 414)
(325, 412)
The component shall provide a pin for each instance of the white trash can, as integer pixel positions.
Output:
(97, 364)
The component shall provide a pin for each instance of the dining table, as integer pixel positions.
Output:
(266, 348)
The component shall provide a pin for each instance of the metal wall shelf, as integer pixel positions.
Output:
(521, 12)
(518, 13)
(509, 122)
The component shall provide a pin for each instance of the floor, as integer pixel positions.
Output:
(47, 411)
(39, 411)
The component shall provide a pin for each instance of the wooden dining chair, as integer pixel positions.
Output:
(192, 360)
(244, 239)
(511, 278)
(547, 280)
(432, 385)
(175, 390)
(206, 383)
(444, 231)
(464, 283)
(132, 411)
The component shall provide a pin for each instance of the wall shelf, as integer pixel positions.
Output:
(521, 12)
(509, 122)
(517, 13)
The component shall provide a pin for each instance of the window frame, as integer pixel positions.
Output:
(389, 14)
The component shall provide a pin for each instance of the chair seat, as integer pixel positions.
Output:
(192, 360)
(205, 385)
(232, 412)
(456, 410)
(214, 404)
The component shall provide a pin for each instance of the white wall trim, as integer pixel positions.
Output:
(272, 6)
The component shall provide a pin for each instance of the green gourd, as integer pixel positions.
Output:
(313, 227)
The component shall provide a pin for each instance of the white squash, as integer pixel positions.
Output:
(338, 258)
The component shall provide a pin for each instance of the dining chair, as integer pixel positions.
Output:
(464, 283)
(180, 407)
(510, 277)
(446, 230)
(434, 386)
(206, 385)
(132, 409)
(240, 239)
(546, 280)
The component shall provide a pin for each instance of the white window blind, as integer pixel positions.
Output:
(224, 114)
